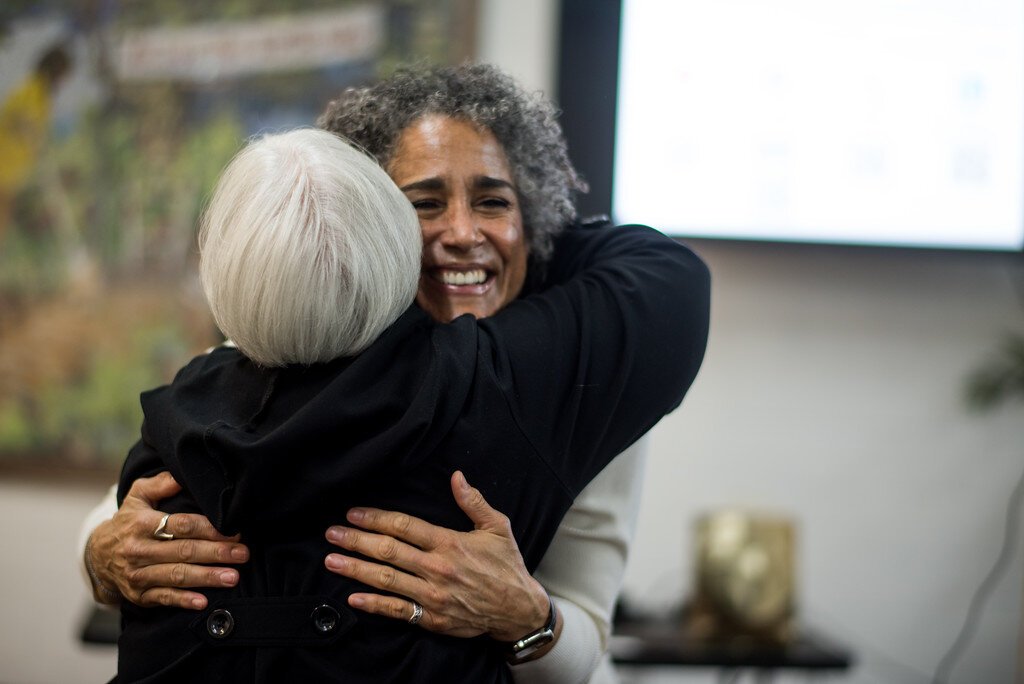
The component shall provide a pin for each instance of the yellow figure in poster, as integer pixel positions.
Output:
(25, 125)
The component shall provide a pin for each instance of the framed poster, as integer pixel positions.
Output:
(115, 120)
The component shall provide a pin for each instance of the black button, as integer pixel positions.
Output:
(325, 619)
(220, 623)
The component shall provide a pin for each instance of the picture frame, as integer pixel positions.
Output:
(115, 120)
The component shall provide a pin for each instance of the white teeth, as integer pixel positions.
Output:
(463, 277)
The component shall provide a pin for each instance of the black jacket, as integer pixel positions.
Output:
(531, 404)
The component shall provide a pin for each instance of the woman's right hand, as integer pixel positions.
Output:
(466, 583)
(125, 558)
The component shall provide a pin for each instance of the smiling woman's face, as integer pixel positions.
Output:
(474, 247)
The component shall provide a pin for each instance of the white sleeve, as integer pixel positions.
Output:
(103, 511)
(583, 570)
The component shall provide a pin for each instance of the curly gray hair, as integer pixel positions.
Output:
(546, 181)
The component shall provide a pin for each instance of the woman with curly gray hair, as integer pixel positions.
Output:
(486, 168)
(525, 127)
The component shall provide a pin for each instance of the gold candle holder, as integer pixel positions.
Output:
(745, 577)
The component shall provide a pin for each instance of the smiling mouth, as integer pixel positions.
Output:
(477, 276)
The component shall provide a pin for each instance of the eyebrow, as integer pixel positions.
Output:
(483, 182)
(425, 184)
(489, 183)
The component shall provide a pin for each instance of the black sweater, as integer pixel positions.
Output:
(531, 404)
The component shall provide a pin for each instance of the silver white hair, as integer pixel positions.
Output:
(308, 250)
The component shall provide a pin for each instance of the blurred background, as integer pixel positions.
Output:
(835, 391)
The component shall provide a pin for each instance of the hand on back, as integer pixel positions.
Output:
(127, 560)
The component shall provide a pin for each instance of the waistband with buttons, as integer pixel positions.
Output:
(274, 621)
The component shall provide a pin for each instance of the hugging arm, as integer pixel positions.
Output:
(648, 296)
(583, 569)
(485, 580)
(469, 583)
(120, 559)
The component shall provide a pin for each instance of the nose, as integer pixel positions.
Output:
(461, 230)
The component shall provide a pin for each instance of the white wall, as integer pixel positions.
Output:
(44, 599)
(520, 37)
(832, 390)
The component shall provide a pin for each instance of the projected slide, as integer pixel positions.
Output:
(870, 121)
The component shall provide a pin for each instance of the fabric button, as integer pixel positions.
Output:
(220, 623)
(325, 619)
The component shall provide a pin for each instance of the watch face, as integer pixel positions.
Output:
(536, 639)
(531, 643)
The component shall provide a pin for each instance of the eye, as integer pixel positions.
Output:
(426, 205)
(494, 204)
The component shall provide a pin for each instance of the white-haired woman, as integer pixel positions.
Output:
(340, 393)
(308, 251)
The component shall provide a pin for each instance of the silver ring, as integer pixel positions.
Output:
(161, 533)
(417, 613)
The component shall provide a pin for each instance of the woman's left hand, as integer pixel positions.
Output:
(468, 583)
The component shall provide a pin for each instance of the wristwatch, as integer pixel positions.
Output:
(529, 644)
